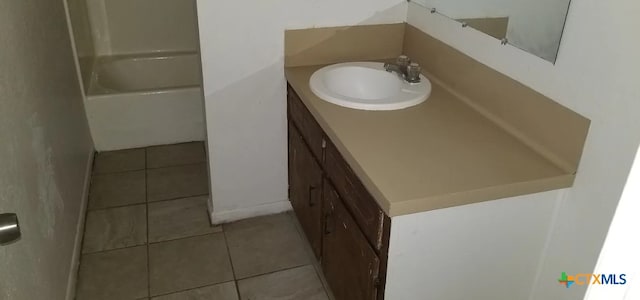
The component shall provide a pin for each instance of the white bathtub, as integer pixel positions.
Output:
(145, 100)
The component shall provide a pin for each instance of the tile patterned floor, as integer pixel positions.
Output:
(147, 236)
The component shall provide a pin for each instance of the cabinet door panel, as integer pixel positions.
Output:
(349, 263)
(305, 188)
(305, 122)
(355, 196)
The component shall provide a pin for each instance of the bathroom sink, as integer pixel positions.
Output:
(367, 86)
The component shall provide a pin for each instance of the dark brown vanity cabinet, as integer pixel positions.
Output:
(348, 231)
(305, 188)
(349, 263)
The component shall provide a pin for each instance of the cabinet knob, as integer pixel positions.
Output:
(9, 228)
(376, 281)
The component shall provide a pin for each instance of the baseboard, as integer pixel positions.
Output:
(249, 212)
(77, 247)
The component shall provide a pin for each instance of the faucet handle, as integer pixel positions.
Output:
(403, 61)
(413, 73)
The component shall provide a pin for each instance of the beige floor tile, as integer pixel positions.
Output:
(188, 263)
(222, 291)
(264, 244)
(179, 218)
(175, 155)
(117, 189)
(300, 283)
(177, 182)
(117, 274)
(114, 228)
(312, 257)
(119, 161)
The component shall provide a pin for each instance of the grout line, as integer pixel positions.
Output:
(226, 243)
(276, 271)
(111, 250)
(148, 168)
(314, 261)
(237, 286)
(177, 165)
(151, 243)
(173, 144)
(122, 150)
(191, 289)
(141, 203)
(117, 206)
(146, 203)
(184, 237)
(233, 270)
(117, 172)
(178, 198)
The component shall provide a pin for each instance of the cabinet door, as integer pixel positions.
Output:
(354, 195)
(305, 122)
(305, 188)
(349, 263)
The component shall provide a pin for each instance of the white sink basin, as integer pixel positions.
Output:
(367, 86)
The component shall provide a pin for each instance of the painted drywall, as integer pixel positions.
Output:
(619, 254)
(143, 26)
(242, 48)
(535, 26)
(595, 75)
(83, 40)
(487, 250)
(46, 149)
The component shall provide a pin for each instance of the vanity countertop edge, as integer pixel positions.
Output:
(435, 155)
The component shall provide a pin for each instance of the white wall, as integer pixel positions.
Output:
(483, 251)
(45, 151)
(242, 47)
(596, 75)
(621, 247)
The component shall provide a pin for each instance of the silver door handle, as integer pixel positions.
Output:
(9, 228)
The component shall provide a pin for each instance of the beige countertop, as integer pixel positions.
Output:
(438, 154)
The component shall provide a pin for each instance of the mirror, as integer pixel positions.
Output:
(532, 25)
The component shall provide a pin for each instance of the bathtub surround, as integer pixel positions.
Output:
(46, 150)
(244, 89)
(141, 71)
(143, 26)
(83, 39)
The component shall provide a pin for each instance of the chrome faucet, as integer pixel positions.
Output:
(405, 69)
